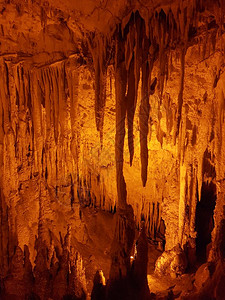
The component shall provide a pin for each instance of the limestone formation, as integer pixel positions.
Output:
(172, 262)
(111, 115)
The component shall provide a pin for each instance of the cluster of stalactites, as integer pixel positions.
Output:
(141, 43)
(45, 104)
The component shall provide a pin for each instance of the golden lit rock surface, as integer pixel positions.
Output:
(111, 113)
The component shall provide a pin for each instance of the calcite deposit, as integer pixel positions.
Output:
(112, 145)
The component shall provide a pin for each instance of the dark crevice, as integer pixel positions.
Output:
(204, 220)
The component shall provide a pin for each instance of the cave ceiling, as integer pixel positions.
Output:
(30, 27)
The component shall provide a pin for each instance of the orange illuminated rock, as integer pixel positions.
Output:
(172, 262)
(111, 112)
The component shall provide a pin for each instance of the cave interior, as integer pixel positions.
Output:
(112, 149)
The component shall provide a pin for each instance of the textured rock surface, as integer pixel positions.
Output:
(108, 104)
(172, 263)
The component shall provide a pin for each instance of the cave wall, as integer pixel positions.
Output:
(49, 136)
(59, 119)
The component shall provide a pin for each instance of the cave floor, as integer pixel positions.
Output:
(98, 227)
(179, 287)
(93, 240)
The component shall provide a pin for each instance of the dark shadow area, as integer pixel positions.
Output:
(204, 220)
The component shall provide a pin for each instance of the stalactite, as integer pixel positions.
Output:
(4, 94)
(98, 48)
(54, 75)
(37, 120)
(73, 83)
(20, 85)
(48, 102)
(152, 214)
(139, 36)
(62, 99)
(120, 87)
(180, 95)
(133, 56)
(163, 64)
(130, 63)
(131, 105)
(144, 112)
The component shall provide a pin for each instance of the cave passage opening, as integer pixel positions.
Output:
(204, 220)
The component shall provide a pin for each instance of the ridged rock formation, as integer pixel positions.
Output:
(114, 106)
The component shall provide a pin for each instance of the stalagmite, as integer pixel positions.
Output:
(140, 266)
(28, 277)
(41, 272)
(77, 278)
(118, 284)
(98, 292)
